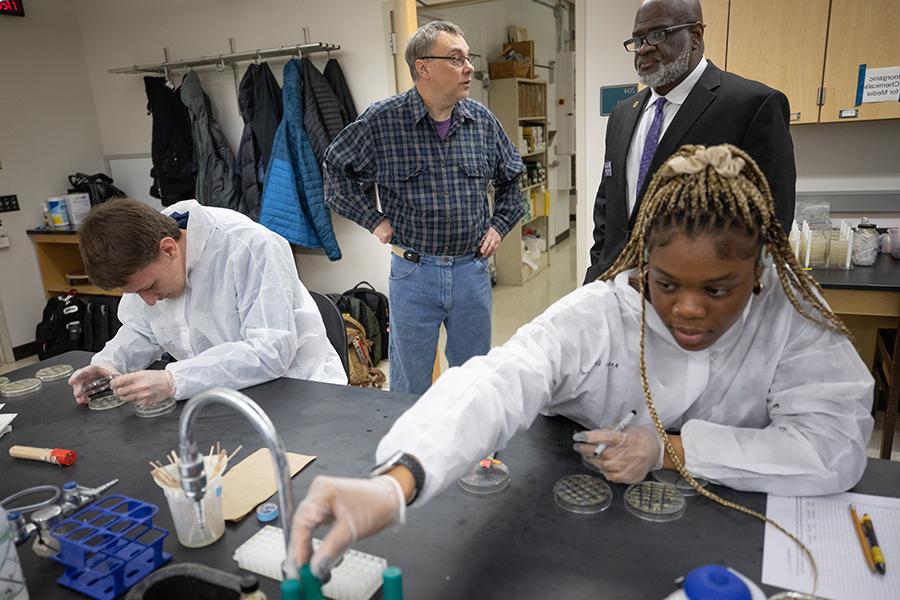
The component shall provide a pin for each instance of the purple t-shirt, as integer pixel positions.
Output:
(442, 127)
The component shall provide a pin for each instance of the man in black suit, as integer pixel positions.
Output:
(688, 100)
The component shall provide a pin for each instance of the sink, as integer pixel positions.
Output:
(190, 581)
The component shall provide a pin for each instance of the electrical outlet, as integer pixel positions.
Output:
(9, 203)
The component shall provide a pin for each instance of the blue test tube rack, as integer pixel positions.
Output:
(109, 546)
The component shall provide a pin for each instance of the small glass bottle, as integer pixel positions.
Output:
(865, 244)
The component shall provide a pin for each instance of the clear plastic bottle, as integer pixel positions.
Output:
(12, 582)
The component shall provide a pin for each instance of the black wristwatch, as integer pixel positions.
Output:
(410, 462)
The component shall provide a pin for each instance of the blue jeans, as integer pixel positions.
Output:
(453, 290)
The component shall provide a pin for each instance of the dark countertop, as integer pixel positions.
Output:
(883, 276)
(516, 544)
(45, 229)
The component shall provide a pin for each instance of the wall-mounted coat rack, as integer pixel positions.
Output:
(231, 59)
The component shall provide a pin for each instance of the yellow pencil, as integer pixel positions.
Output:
(857, 525)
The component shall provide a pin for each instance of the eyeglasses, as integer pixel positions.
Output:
(655, 37)
(456, 61)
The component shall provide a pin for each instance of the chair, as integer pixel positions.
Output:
(887, 384)
(334, 327)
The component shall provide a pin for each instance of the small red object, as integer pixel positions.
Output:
(64, 457)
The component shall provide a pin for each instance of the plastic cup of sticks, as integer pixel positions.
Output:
(191, 532)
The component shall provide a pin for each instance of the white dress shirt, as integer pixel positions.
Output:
(675, 99)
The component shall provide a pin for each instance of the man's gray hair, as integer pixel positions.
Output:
(422, 41)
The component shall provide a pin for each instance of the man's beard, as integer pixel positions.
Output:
(668, 73)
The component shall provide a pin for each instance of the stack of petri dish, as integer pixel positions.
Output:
(100, 395)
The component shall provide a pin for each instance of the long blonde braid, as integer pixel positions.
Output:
(725, 187)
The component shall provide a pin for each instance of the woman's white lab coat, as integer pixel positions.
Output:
(778, 404)
(244, 317)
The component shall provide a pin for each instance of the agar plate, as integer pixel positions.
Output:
(97, 387)
(105, 402)
(483, 481)
(20, 387)
(582, 494)
(655, 501)
(3, 381)
(155, 410)
(53, 373)
(673, 478)
(589, 465)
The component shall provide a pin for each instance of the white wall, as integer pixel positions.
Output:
(120, 33)
(600, 27)
(48, 130)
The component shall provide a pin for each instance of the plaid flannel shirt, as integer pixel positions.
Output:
(433, 192)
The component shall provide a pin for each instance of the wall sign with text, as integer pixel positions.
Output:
(12, 7)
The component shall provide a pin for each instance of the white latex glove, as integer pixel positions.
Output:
(144, 387)
(629, 455)
(359, 508)
(86, 375)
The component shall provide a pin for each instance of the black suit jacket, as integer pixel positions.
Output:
(721, 108)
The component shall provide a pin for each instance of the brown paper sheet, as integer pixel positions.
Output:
(252, 481)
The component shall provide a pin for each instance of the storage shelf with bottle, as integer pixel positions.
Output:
(521, 107)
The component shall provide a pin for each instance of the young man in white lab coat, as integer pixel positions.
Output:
(209, 286)
(694, 326)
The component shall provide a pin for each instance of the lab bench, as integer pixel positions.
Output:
(516, 544)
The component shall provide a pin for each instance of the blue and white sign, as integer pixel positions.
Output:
(878, 85)
(613, 94)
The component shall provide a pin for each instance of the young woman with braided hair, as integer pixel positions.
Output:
(705, 325)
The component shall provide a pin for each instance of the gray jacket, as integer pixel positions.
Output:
(216, 181)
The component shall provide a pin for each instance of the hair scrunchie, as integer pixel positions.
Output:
(717, 157)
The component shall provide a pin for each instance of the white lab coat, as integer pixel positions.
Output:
(244, 317)
(778, 404)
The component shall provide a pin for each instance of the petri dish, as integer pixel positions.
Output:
(673, 478)
(582, 494)
(20, 387)
(150, 411)
(53, 373)
(97, 387)
(489, 476)
(105, 401)
(589, 465)
(655, 501)
(3, 381)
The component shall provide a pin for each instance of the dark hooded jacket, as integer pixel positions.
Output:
(322, 109)
(259, 100)
(216, 181)
(335, 77)
(172, 149)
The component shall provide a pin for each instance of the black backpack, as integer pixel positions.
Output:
(378, 302)
(99, 187)
(62, 326)
(361, 312)
(101, 322)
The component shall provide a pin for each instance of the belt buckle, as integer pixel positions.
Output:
(411, 256)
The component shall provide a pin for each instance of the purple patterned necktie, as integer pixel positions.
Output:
(650, 143)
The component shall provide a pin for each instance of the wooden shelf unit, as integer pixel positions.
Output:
(58, 255)
(519, 103)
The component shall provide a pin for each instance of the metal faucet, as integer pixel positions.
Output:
(190, 467)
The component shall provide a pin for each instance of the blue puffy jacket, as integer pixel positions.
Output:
(293, 202)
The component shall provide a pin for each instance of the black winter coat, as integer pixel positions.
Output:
(322, 117)
(335, 77)
(259, 100)
(172, 149)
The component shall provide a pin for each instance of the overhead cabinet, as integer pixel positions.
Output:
(812, 51)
